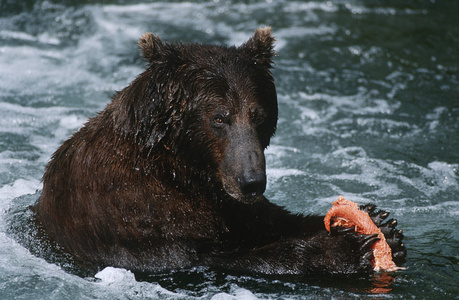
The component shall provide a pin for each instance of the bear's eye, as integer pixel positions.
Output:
(219, 120)
(259, 118)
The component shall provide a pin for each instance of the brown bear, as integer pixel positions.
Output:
(171, 174)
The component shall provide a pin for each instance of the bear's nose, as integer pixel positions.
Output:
(252, 184)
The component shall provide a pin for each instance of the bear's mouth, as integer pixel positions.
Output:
(247, 199)
(251, 199)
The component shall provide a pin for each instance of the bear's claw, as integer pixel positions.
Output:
(368, 241)
(337, 230)
(377, 216)
(393, 236)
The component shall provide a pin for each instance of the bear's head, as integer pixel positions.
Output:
(208, 111)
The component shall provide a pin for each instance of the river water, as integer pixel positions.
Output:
(369, 109)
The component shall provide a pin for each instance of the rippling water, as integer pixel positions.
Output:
(369, 109)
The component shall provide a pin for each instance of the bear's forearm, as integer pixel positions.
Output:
(316, 254)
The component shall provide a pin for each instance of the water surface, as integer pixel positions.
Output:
(369, 109)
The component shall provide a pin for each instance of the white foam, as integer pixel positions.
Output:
(275, 174)
(26, 121)
(280, 150)
(443, 175)
(236, 293)
(361, 103)
(43, 38)
(189, 14)
(434, 118)
(305, 31)
(20, 187)
(17, 35)
(9, 192)
(122, 282)
(111, 275)
(448, 208)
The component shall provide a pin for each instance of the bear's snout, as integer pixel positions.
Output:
(244, 169)
(252, 178)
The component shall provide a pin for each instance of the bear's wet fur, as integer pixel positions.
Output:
(171, 174)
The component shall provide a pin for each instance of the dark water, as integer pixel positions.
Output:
(369, 109)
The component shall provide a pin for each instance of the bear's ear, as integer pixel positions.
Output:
(260, 46)
(151, 47)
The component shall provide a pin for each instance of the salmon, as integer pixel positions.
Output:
(347, 213)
